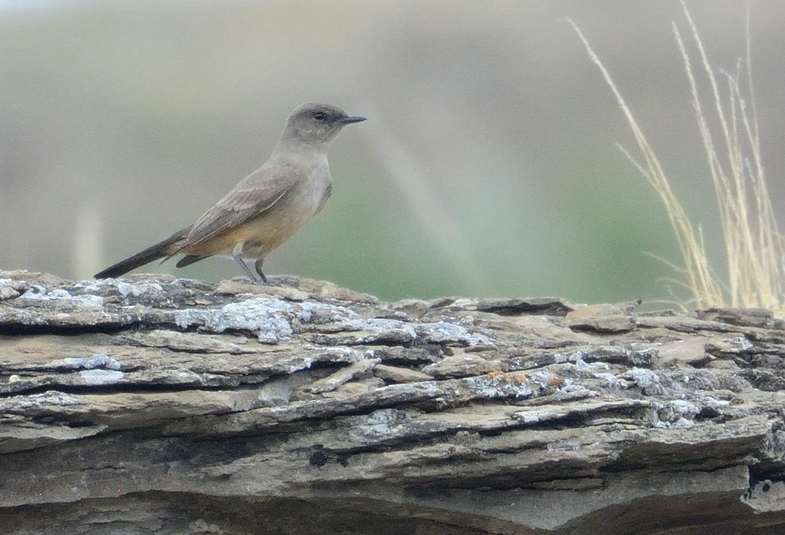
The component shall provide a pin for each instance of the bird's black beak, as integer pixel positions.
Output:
(351, 119)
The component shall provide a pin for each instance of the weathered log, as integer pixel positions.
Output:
(162, 405)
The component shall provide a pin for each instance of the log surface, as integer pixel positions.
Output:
(161, 405)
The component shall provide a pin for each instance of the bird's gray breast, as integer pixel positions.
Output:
(309, 195)
(321, 185)
(326, 195)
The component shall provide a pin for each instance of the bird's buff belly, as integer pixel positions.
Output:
(256, 238)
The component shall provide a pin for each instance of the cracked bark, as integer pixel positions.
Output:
(161, 405)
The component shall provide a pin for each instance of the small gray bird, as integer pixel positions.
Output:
(267, 207)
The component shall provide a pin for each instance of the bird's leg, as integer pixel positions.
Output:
(239, 260)
(258, 267)
(237, 255)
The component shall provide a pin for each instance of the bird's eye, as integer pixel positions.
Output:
(320, 116)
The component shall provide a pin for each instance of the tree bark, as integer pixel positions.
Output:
(167, 406)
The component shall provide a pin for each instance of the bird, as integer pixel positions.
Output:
(265, 208)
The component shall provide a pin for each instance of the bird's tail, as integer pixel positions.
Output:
(159, 250)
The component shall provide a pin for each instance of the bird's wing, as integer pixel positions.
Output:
(254, 195)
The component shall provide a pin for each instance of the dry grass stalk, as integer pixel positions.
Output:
(754, 247)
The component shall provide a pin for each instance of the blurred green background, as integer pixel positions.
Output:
(487, 166)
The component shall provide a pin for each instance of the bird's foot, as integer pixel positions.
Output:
(258, 268)
(251, 274)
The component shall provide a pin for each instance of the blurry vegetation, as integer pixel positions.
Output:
(486, 166)
(729, 131)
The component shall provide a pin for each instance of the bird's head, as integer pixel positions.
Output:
(317, 124)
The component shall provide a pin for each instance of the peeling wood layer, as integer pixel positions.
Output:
(161, 405)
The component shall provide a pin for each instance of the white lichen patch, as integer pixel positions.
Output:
(499, 388)
(150, 290)
(383, 329)
(380, 424)
(741, 344)
(574, 357)
(99, 360)
(61, 296)
(677, 413)
(646, 380)
(404, 332)
(611, 381)
(275, 320)
(8, 289)
(101, 377)
(714, 403)
(542, 378)
(528, 417)
(40, 293)
(270, 319)
(88, 301)
(44, 400)
(323, 313)
(441, 332)
(572, 391)
(582, 365)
